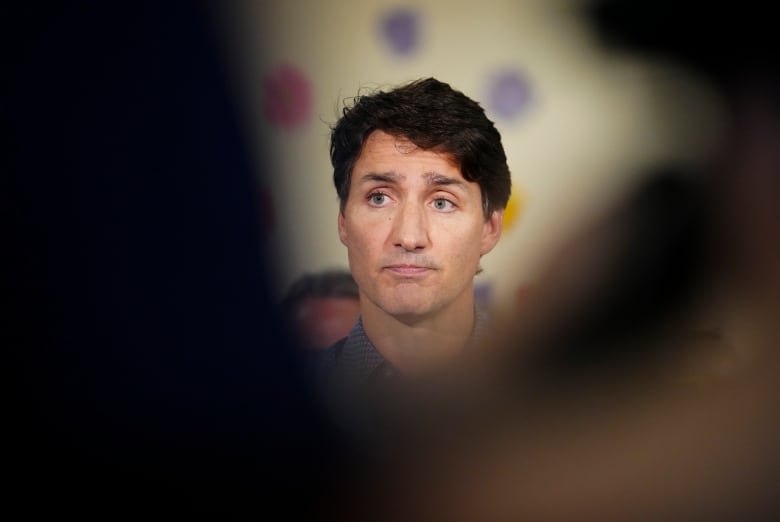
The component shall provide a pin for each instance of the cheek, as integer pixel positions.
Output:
(465, 240)
(366, 235)
(467, 249)
(361, 249)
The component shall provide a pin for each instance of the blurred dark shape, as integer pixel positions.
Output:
(148, 370)
(731, 47)
(723, 41)
(608, 399)
(622, 279)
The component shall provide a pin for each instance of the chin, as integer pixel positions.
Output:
(409, 318)
(408, 312)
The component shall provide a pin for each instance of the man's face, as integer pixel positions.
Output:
(414, 229)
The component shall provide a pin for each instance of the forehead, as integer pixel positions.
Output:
(385, 151)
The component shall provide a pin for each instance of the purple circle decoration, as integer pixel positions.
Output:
(287, 99)
(509, 94)
(400, 30)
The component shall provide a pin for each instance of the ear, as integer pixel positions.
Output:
(491, 231)
(342, 228)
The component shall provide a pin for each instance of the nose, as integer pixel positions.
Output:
(410, 228)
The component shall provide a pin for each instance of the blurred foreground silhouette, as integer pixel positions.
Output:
(641, 380)
(150, 372)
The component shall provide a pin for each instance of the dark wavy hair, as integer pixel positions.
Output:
(327, 283)
(433, 116)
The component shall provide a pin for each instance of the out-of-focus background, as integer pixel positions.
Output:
(580, 125)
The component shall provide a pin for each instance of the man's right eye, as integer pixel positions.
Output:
(377, 198)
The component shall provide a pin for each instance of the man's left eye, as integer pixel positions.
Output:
(442, 204)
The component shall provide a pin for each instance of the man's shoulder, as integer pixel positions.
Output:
(333, 352)
(328, 358)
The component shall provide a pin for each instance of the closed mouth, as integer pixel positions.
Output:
(407, 270)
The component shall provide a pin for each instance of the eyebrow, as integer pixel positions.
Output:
(384, 177)
(431, 178)
(434, 178)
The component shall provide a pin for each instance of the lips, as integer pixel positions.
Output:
(407, 270)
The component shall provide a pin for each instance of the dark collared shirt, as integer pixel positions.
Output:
(362, 389)
(355, 358)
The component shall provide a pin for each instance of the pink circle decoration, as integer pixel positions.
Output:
(287, 99)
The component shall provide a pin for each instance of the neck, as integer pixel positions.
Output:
(416, 345)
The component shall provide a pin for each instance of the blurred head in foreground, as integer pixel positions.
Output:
(604, 401)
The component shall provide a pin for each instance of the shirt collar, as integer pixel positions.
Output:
(359, 358)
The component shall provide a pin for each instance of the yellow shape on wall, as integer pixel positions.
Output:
(514, 207)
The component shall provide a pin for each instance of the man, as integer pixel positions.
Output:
(321, 308)
(422, 181)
